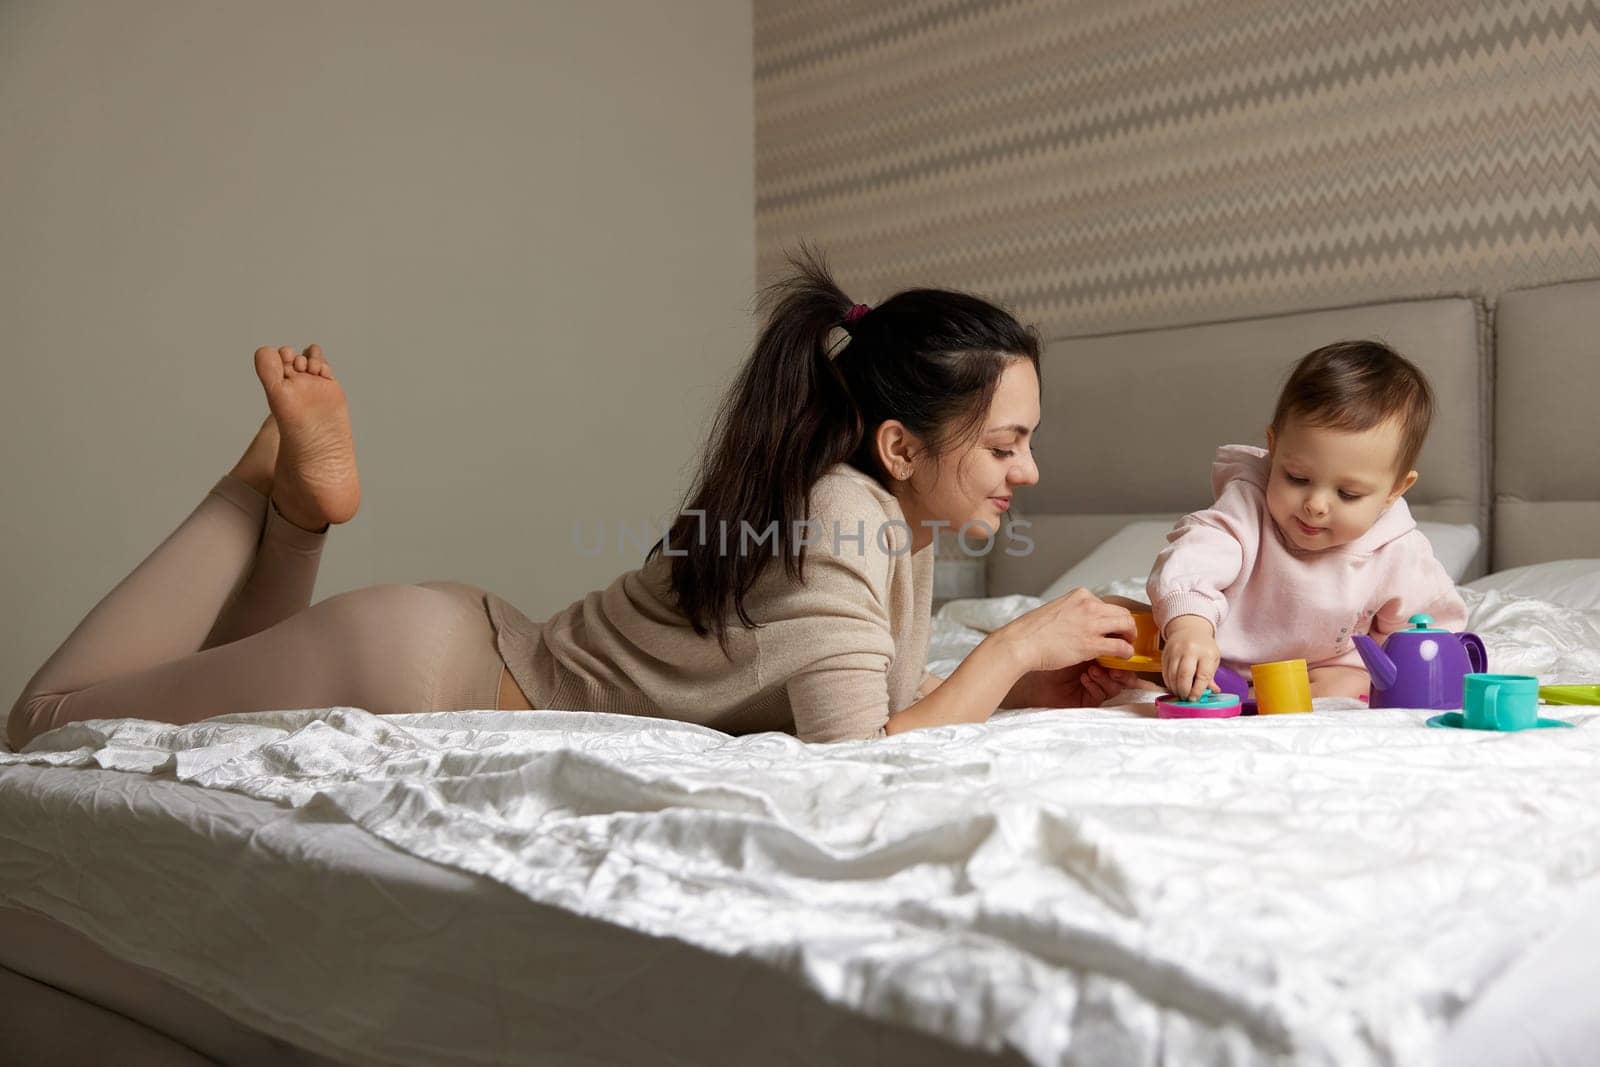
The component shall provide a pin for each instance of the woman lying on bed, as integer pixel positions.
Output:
(793, 592)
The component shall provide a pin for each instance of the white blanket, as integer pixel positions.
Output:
(1089, 886)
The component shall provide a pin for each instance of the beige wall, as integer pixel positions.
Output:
(523, 233)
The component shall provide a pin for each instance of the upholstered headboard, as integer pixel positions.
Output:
(1547, 408)
(1131, 420)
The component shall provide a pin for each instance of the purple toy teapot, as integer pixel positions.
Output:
(1421, 667)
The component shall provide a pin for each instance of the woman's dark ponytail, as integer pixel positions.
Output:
(928, 358)
(787, 419)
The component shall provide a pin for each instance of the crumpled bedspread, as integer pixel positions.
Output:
(1084, 886)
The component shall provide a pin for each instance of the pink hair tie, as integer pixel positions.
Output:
(856, 312)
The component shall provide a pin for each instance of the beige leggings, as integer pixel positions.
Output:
(218, 619)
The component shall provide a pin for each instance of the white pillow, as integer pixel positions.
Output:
(1131, 550)
(1126, 553)
(1574, 583)
(1454, 545)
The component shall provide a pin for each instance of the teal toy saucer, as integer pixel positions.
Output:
(1454, 720)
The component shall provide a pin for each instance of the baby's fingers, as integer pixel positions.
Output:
(1170, 665)
(1188, 677)
(1182, 677)
(1199, 675)
(1207, 674)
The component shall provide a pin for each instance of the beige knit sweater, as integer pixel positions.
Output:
(834, 656)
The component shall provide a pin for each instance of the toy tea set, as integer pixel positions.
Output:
(1418, 667)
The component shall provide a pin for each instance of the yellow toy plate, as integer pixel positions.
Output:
(1133, 663)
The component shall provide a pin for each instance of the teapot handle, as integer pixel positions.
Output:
(1477, 655)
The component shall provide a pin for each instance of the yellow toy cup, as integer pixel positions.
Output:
(1282, 688)
(1146, 647)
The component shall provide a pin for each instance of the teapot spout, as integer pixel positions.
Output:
(1379, 665)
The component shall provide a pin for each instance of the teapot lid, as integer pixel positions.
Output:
(1422, 623)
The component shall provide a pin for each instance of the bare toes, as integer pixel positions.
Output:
(269, 367)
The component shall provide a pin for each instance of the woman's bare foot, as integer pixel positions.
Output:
(260, 458)
(314, 481)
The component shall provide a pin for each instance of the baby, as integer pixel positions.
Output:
(1309, 541)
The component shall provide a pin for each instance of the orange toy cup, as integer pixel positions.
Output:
(1146, 647)
(1282, 688)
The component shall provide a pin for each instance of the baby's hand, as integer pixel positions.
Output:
(1190, 658)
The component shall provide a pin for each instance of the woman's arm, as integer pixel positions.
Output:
(971, 693)
(1062, 633)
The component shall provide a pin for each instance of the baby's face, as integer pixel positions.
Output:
(1328, 487)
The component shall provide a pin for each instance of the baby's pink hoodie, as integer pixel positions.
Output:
(1269, 600)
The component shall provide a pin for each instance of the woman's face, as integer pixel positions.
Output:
(969, 488)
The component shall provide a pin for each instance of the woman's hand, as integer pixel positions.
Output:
(1189, 660)
(1058, 637)
(1067, 631)
(1083, 685)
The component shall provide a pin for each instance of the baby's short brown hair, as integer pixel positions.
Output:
(1356, 385)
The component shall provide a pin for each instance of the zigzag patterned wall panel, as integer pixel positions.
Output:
(1109, 164)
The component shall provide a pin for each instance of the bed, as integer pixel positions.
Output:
(1088, 887)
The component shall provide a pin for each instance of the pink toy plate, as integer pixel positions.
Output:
(1210, 706)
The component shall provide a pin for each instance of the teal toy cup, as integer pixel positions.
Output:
(1500, 701)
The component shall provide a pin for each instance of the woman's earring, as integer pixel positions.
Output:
(903, 473)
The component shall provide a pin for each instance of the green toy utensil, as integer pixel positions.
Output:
(1569, 694)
